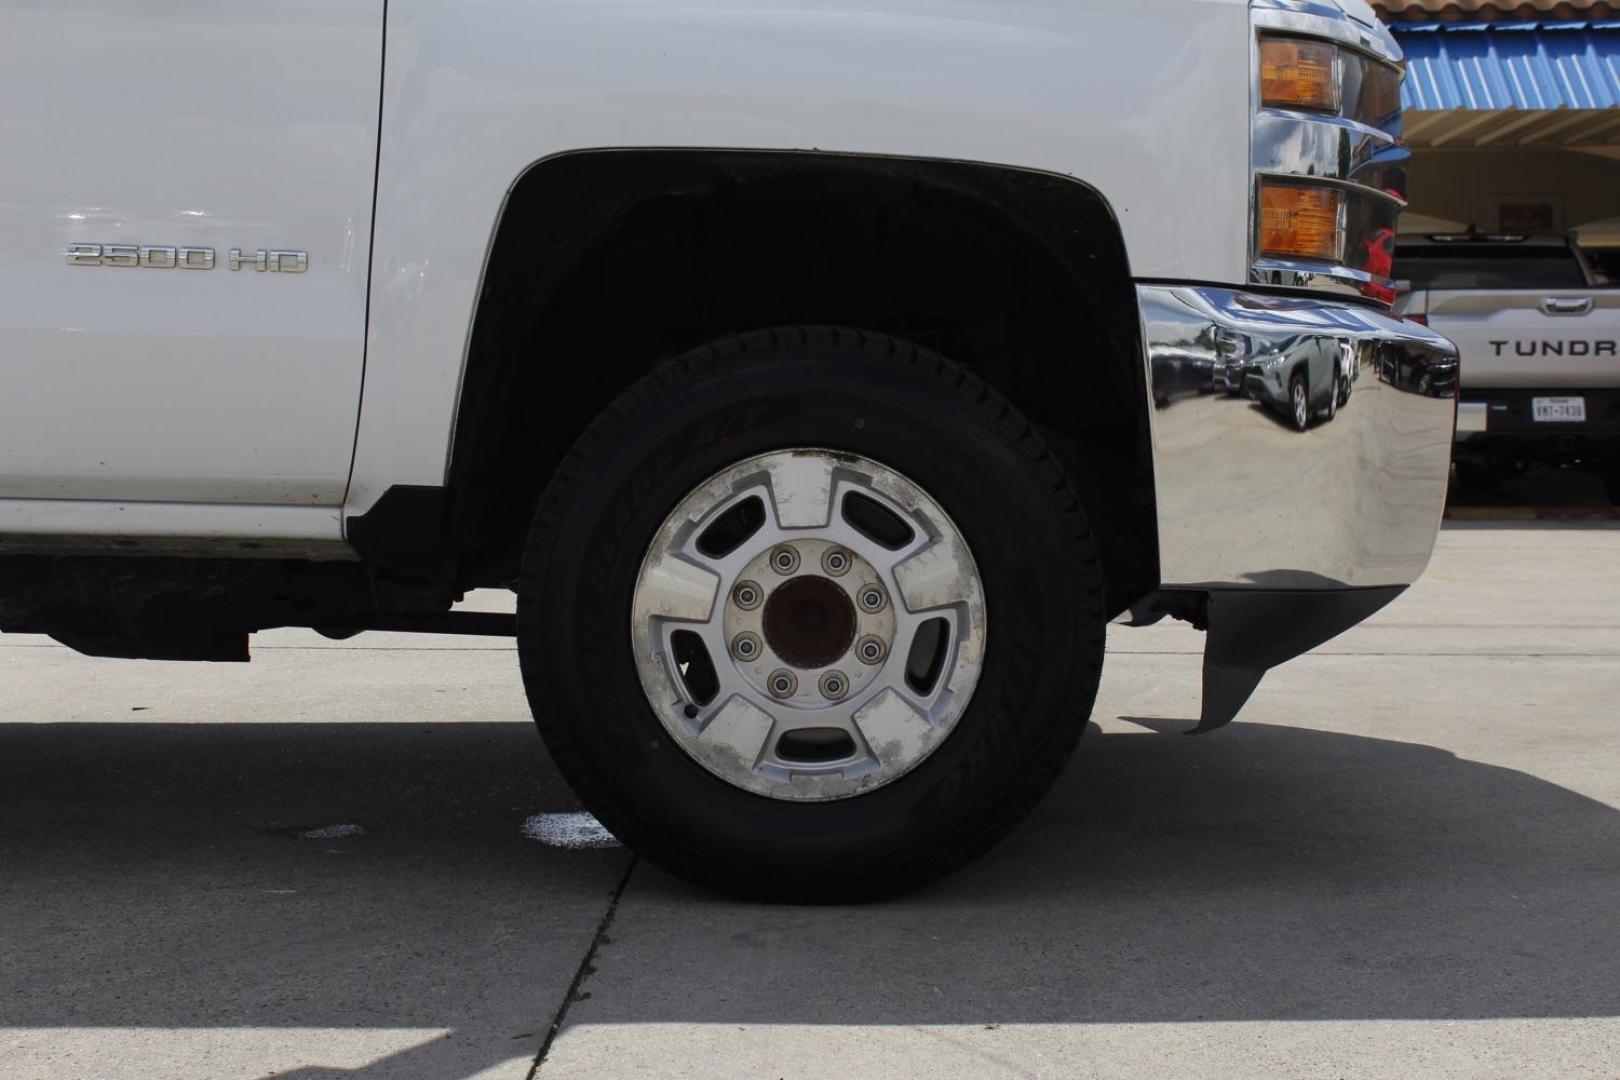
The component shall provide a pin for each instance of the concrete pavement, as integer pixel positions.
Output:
(1403, 860)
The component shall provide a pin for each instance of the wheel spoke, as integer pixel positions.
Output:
(801, 490)
(894, 728)
(736, 733)
(673, 588)
(937, 576)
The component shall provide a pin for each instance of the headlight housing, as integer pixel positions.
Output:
(1329, 166)
(1319, 76)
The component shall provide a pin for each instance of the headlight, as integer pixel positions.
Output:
(1297, 74)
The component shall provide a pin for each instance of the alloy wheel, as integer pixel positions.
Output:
(808, 625)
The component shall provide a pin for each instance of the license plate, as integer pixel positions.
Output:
(1558, 410)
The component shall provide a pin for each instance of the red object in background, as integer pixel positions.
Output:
(1378, 253)
(1378, 259)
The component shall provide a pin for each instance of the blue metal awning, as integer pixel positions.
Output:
(1530, 65)
(1513, 70)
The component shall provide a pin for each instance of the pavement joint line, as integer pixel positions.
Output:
(584, 970)
(313, 648)
(1318, 655)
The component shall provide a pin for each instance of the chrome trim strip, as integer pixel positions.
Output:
(1347, 186)
(1313, 18)
(1247, 500)
(1350, 123)
(1352, 278)
(1300, 145)
(1277, 273)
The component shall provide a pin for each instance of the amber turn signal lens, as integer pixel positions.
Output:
(1298, 74)
(1297, 221)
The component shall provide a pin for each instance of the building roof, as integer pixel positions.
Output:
(1522, 82)
(1399, 11)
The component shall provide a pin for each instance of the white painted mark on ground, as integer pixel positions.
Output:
(332, 832)
(576, 829)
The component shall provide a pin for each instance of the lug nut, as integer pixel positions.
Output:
(747, 595)
(785, 560)
(745, 646)
(871, 650)
(834, 685)
(835, 562)
(872, 599)
(782, 683)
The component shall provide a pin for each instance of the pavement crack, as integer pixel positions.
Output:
(586, 966)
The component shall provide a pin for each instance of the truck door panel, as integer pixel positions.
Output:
(151, 129)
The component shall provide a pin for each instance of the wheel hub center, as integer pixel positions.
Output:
(809, 621)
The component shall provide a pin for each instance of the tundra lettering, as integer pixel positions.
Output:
(1556, 348)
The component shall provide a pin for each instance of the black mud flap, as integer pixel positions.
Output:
(1251, 631)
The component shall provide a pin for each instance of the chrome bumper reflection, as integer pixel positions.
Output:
(1246, 499)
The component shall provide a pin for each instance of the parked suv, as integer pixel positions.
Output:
(1540, 345)
(793, 364)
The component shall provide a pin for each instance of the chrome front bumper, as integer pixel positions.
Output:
(1247, 502)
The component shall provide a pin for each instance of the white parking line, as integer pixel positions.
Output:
(576, 829)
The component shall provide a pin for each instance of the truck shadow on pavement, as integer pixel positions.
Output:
(154, 877)
(1264, 873)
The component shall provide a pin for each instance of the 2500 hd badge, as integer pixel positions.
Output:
(185, 258)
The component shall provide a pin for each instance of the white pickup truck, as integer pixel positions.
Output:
(822, 378)
(1540, 346)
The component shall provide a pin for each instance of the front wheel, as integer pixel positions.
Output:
(1480, 478)
(810, 614)
(1611, 480)
(1299, 402)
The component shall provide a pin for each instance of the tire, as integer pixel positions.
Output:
(1332, 409)
(1611, 481)
(882, 403)
(1299, 402)
(1477, 478)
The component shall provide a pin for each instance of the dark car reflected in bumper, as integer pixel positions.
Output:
(1276, 539)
